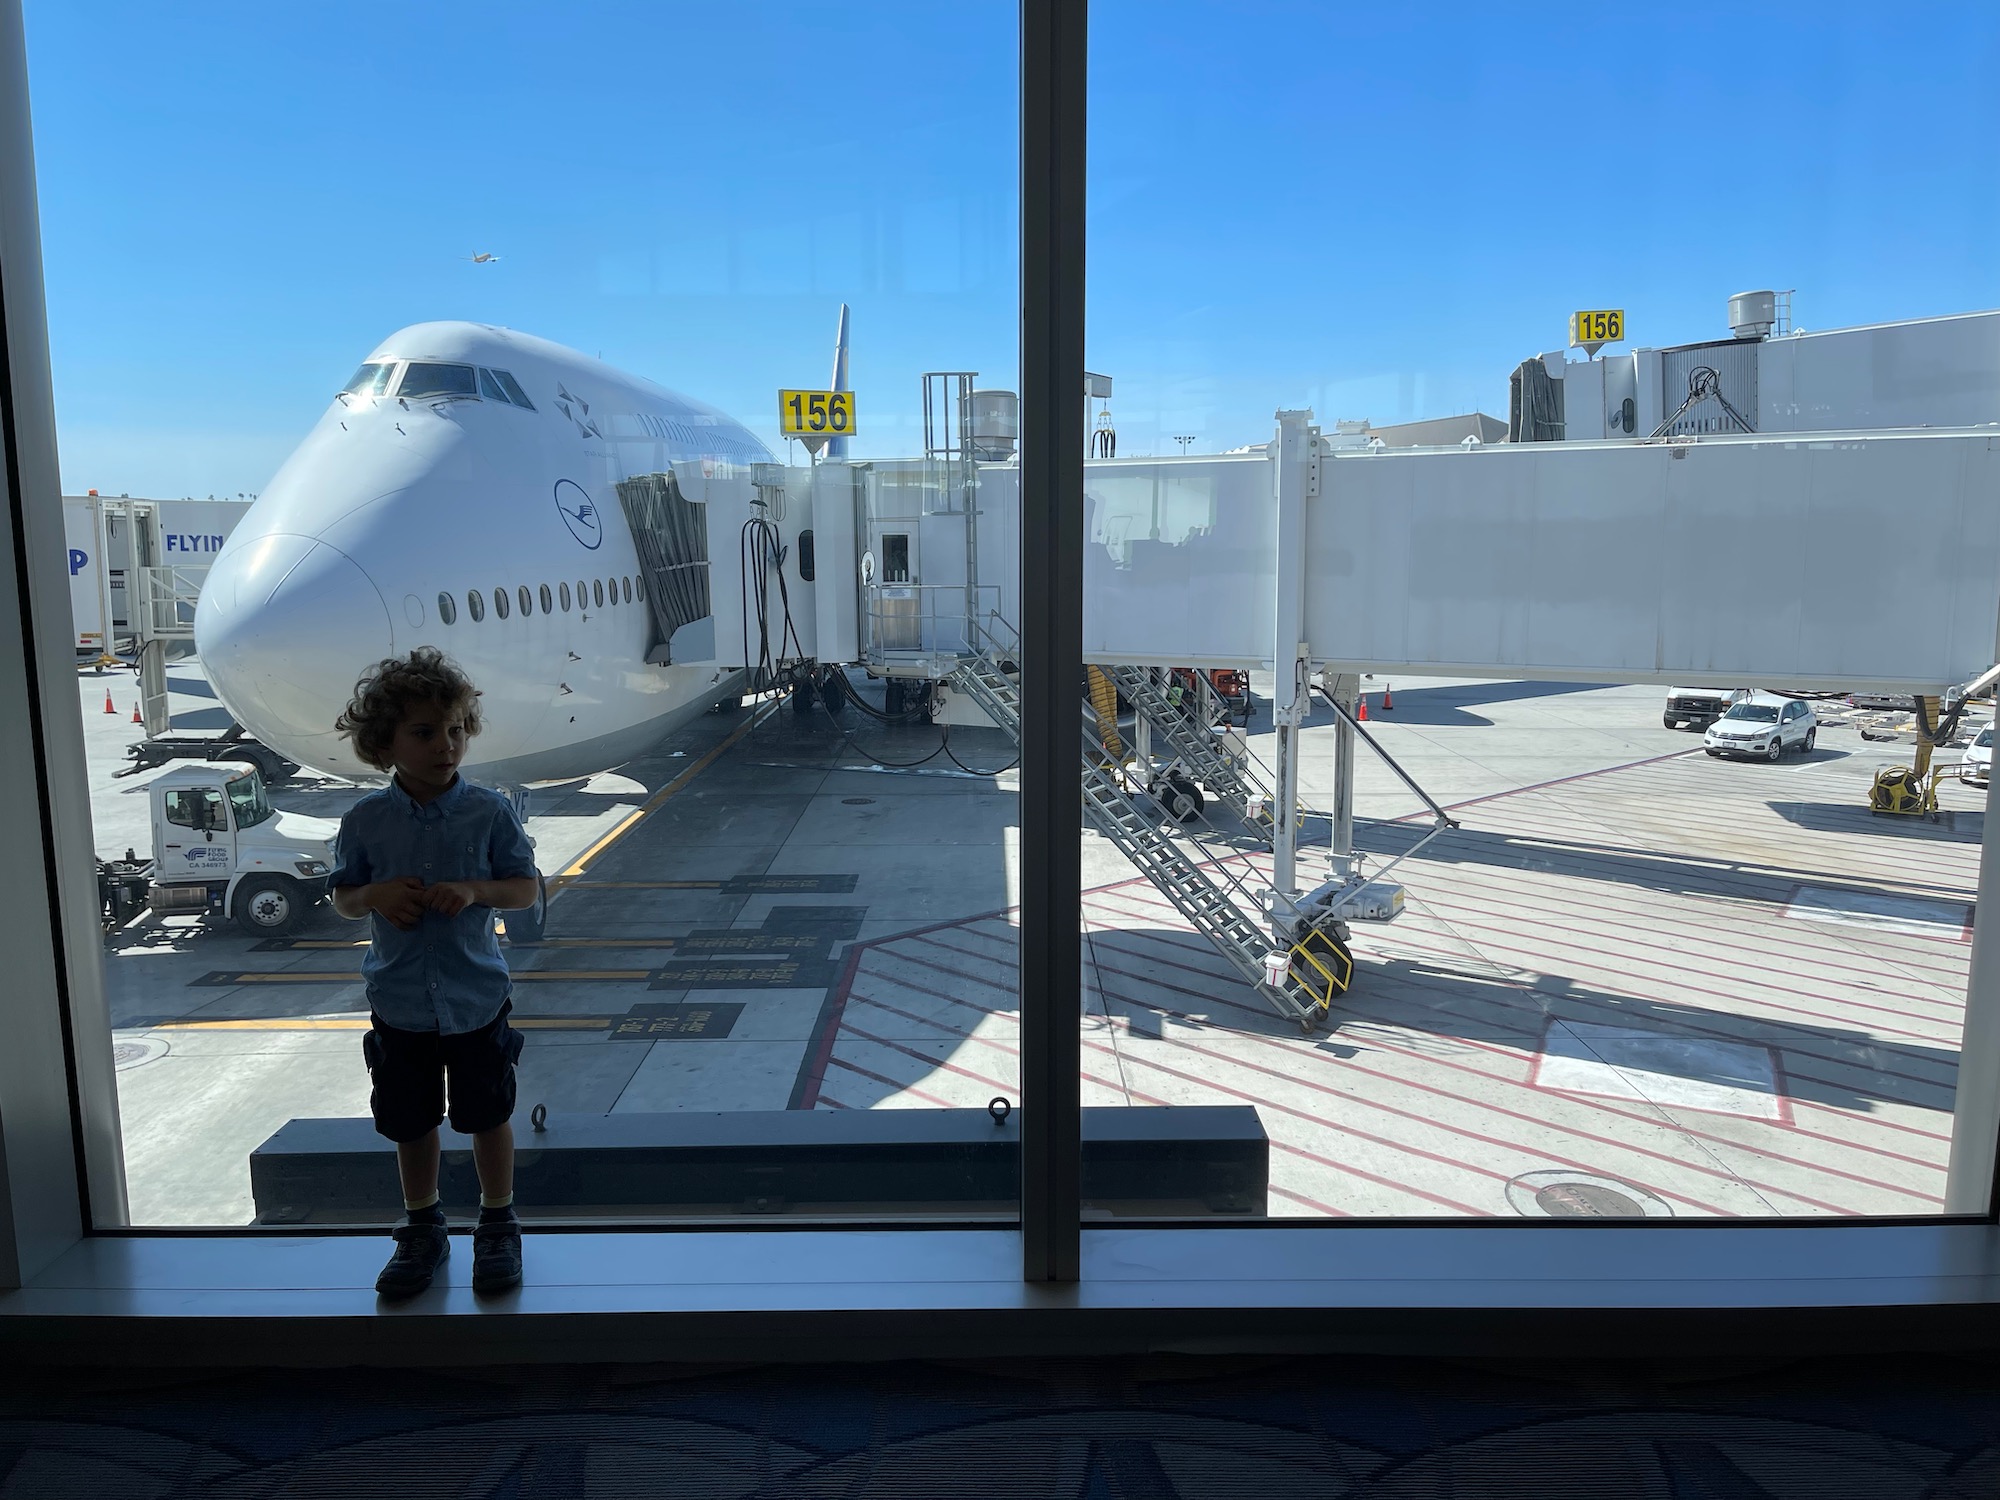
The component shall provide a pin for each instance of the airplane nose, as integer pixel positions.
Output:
(285, 626)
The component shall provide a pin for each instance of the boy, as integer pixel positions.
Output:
(429, 859)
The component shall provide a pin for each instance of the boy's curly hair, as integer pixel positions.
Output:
(388, 690)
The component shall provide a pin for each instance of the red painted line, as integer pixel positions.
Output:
(1769, 935)
(1504, 992)
(936, 1063)
(1464, 918)
(805, 1092)
(1541, 1123)
(1333, 1213)
(1596, 972)
(901, 1088)
(1527, 1147)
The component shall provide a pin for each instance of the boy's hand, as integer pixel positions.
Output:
(450, 897)
(400, 902)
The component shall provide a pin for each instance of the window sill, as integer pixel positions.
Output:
(886, 1293)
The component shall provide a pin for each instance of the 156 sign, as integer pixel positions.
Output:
(1603, 326)
(816, 413)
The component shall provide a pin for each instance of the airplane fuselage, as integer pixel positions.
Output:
(431, 506)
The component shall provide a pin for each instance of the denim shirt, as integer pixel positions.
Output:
(446, 974)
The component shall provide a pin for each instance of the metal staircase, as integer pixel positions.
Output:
(1300, 984)
(1232, 777)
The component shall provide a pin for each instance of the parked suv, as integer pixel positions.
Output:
(1763, 725)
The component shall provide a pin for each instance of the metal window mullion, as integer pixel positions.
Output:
(1053, 82)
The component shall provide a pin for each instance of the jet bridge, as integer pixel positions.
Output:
(1691, 559)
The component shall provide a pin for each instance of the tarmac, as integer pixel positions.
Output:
(1635, 981)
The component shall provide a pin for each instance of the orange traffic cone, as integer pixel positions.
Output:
(136, 719)
(1388, 698)
(1362, 716)
(107, 702)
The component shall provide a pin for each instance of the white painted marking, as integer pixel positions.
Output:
(1916, 915)
(1675, 1072)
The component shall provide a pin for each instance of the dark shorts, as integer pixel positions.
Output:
(409, 1069)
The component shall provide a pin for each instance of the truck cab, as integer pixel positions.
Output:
(1699, 707)
(219, 846)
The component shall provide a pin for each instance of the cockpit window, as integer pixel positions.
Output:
(490, 388)
(437, 380)
(372, 379)
(513, 389)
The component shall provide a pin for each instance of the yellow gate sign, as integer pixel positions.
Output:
(811, 414)
(1593, 330)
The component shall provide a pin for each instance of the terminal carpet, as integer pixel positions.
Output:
(1138, 1429)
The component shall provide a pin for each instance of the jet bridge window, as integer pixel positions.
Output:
(372, 379)
(513, 389)
(437, 380)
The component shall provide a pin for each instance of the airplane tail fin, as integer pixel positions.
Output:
(837, 447)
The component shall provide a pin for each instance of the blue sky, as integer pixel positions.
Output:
(1377, 215)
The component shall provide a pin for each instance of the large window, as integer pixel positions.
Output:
(1521, 674)
(778, 830)
(1668, 956)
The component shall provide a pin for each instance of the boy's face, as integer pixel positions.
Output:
(429, 744)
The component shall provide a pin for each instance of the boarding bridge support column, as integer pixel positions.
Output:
(1342, 690)
(1295, 454)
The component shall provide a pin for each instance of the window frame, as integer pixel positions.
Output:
(218, 1296)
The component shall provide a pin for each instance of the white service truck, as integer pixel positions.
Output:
(220, 847)
(1698, 707)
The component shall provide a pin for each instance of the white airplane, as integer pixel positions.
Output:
(460, 492)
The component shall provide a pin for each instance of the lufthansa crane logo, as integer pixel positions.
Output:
(579, 513)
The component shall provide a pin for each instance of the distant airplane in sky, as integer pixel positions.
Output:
(483, 258)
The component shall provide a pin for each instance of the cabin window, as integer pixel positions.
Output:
(626, 585)
(639, 587)
(372, 379)
(527, 601)
(513, 389)
(597, 591)
(200, 808)
(500, 605)
(436, 380)
(565, 598)
(548, 602)
(476, 604)
(447, 610)
(489, 387)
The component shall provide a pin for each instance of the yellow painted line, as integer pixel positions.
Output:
(315, 976)
(306, 944)
(654, 803)
(361, 1023)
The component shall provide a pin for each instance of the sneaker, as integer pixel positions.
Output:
(496, 1257)
(420, 1250)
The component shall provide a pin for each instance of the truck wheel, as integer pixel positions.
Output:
(1182, 799)
(528, 924)
(268, 906)
(1670, 721)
